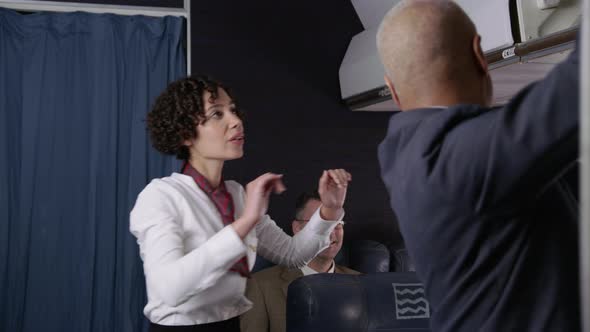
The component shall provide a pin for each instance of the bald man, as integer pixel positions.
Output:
(477, 189)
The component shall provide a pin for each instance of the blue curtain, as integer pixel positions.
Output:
(74, 154)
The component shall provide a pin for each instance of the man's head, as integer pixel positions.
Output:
(432, 55)
(305, 206)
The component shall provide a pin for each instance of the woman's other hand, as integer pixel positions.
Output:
(257, 197)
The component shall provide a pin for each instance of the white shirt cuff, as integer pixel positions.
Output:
(318, 225)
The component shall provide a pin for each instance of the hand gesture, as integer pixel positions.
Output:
(258, 193)
(332, 188)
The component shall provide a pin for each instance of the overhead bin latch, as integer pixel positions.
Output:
(508, 53)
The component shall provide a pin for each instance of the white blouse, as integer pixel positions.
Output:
(187, 251)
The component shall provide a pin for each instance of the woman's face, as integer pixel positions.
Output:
(220, 136)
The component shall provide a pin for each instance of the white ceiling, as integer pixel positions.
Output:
(371, 12)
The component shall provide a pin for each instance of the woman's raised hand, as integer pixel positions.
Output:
(332, 188)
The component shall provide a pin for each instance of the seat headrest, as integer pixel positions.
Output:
(365, 256)
(401, 261)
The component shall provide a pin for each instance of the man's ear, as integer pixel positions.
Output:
(481, 62)
(393, 92)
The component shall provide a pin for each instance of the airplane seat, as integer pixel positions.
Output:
(401, 261)
(383, 302)
(367, 256)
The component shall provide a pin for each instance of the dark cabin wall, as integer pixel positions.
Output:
(281, 58)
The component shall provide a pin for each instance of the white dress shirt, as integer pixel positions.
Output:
(187, 251)
(306, 270)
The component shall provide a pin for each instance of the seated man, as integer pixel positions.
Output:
(267, 289)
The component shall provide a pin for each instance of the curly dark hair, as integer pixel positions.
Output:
(178, 111)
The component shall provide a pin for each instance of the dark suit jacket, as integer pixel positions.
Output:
(483, 210)
(267, 289)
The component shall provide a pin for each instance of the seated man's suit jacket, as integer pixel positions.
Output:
(267, 289)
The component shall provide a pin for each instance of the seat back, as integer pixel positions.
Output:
(383, 302)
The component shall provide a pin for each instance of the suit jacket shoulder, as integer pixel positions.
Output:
(344, 270)
(267, 289)
(268, 273)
